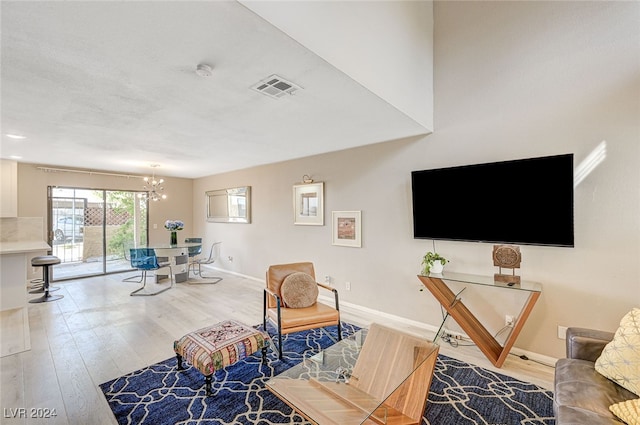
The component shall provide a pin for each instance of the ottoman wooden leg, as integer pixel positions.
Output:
(207, 385)
(179, 357)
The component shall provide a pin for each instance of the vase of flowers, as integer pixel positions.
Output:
(173, 226)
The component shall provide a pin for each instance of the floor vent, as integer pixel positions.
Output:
(275, 86)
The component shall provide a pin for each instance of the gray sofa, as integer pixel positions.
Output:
(581, 395)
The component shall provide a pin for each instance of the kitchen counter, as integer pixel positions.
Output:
(13, 271)
(14, 316)
(22, 247)
(21, 238)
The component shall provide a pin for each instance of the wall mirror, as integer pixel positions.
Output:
(231, 205)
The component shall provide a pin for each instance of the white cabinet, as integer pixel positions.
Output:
(8, 188)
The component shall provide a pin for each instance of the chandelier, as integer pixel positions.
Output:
(153, 187)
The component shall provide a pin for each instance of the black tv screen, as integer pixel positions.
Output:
(526, 201)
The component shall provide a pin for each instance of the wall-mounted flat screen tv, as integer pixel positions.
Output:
(525, 201)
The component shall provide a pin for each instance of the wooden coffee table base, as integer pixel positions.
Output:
(389, 384)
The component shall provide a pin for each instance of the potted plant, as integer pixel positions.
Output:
(433, 262)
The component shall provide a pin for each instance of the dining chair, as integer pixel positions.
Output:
(125, 250)
(145, 259)
(194, 251)
(213, 255)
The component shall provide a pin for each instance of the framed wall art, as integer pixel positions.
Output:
(347, 228)
(308, 204)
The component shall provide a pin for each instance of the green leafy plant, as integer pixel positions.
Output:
(429, 259)
(123, 203)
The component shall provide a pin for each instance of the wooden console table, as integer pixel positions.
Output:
(496, 353)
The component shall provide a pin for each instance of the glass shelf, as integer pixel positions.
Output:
(487, 281)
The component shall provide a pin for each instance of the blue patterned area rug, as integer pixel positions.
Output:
(460, 393)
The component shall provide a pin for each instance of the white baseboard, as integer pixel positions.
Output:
(236, 274)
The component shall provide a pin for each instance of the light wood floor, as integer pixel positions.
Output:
(98, 332)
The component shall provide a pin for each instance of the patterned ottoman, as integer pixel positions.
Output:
(218, 346)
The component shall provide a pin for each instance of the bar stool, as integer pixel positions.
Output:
(37, 287)
(45, 261)
(36, 284)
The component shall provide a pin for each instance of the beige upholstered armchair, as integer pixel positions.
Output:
(290, 301)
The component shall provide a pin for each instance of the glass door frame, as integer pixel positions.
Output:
(104, 192)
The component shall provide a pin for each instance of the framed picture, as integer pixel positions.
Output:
(347, 229)
(308, 204)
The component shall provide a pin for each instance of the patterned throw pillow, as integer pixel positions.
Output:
(628, 411)
(299, 290)
(620, 359)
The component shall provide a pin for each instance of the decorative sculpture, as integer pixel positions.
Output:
(507, 256)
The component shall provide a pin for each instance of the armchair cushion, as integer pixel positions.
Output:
(299, 290)
(299, 319)
(620, 359)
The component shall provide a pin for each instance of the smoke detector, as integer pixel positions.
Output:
(275, 86)
(204, 70)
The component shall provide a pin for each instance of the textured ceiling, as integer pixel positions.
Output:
(112, 86)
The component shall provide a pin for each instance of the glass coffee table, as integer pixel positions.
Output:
(376, 376)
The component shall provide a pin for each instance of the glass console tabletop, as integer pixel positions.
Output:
(487, 281)
(377, 375)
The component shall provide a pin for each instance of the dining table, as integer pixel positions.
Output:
(176, 255)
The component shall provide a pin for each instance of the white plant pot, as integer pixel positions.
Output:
(436, 267)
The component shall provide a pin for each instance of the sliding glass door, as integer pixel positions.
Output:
(91, 230)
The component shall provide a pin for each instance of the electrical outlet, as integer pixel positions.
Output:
(509, 320)
(327, 279)
(562, 332)
(230, 258)
(347, 286)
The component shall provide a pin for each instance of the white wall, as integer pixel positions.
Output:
(517, 79)
(8, 188)
(512, 80)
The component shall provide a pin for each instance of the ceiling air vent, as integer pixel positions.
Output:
(275, 86)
